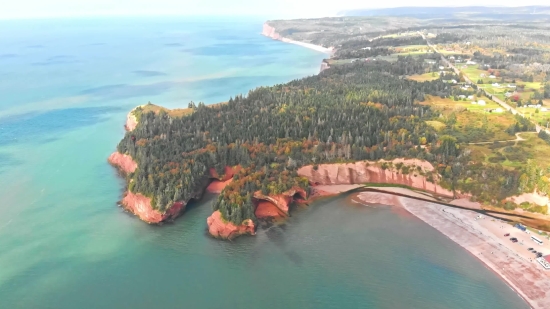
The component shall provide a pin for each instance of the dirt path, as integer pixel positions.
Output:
(517, 139)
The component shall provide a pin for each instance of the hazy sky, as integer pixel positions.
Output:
(272, 8)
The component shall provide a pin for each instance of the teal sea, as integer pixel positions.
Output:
(66, 87)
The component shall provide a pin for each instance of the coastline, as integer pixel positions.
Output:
(483, 238)
(531, 289)
(270, 32)
(459, 229)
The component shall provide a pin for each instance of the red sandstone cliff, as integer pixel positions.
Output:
(270, 32)
(281, 201)
(372, 172)
(140, 206)
(123, 162)
(220, 228)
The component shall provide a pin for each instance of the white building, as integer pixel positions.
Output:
(462, 96)
(470, 97)
(492, 76)
(474, 102)
(498, 110)
(481, 102)
(470, 62)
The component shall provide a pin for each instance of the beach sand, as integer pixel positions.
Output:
(485, 239)
(309, 45)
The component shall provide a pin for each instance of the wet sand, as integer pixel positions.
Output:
(485, 239)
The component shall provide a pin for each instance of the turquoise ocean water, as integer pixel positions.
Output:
(66, 87)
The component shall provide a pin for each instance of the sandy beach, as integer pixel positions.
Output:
(309, 45)
(484, 238)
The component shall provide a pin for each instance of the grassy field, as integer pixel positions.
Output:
(474, 74)
(413, 48)
(178, 112)
(540, 118)
(423, 77)
(473, 122)
(514, 154)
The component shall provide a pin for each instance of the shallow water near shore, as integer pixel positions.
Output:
(67, 86)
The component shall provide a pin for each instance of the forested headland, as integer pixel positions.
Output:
(360, 111)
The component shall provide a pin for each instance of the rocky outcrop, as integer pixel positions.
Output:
(123, 162)
(217, 186)
(373, 172)
(140, 206)
(131, 121)
(268, 210)
(324, 66)
(270, 32)
(282, 201)
(220, 228)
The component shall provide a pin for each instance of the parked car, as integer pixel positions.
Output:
(539, 254)
(530, 249)
(507, 234)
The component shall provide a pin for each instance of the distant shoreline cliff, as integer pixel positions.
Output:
(271, 32)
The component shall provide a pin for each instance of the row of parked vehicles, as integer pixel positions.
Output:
(514, 240)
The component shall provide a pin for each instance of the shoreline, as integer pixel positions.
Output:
(270, 32)
(439, 217)
(481, 238)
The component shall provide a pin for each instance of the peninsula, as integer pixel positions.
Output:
(388, 108)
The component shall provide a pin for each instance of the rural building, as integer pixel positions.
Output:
(470, 62)
(481, 102)
(492, 76)
(496, 85)
(474, 102)
(470, 97)
(511, 86)
(462, 96)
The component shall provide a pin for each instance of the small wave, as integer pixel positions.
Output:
(3, 226)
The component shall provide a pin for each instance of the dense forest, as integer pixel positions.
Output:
(358, 111)
(353, 112)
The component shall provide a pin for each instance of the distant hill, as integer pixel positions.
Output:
(439, 12)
